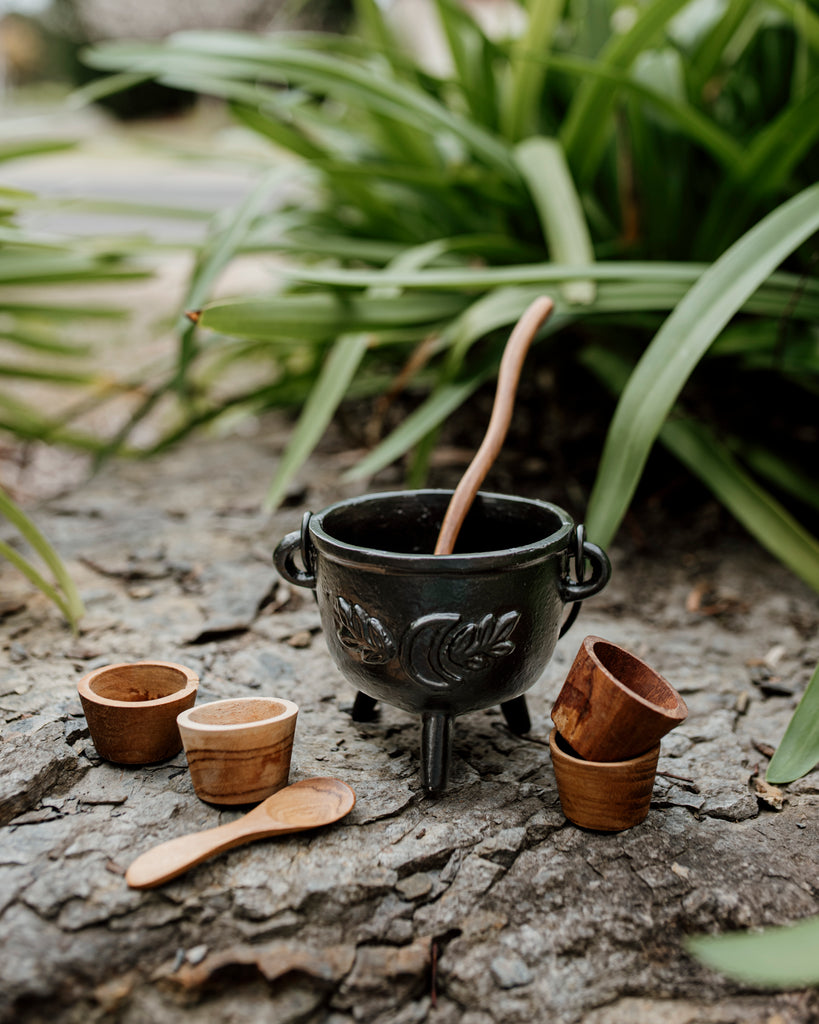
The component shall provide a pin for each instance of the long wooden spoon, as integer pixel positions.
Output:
(508, 375)
(305, 804)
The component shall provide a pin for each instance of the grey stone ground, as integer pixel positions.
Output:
(483, 906)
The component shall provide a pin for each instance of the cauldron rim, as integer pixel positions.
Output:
(502, 558)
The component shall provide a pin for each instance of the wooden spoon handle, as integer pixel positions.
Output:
(511, 365)
(173, 858)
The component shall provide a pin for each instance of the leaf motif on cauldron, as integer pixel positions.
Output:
(362, 634)
(473, 644)
(440, 649)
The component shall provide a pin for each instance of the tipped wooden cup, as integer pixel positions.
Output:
(131, 709)
(607, 796)
(239, 749)
(613, 706)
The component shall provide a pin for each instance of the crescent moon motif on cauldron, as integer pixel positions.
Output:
(362, 634)
(441, 649)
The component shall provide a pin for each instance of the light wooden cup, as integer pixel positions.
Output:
(606, 796)
(239, 749)
(131, 709)
(613, 706)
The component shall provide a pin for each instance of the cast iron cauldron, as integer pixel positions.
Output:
(442, 635)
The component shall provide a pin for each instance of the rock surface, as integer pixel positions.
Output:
(482, 907)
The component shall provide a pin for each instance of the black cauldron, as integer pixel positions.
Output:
(441, 635)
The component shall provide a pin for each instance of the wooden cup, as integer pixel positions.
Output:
(131, 709)
(613, 706)
(239, 749)
(607, 796)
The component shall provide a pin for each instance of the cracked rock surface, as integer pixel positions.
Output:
(481, 907)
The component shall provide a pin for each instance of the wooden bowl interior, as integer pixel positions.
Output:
(632, 674)
(137, 683)
(565, 747)
(561, 748)
(236, 712)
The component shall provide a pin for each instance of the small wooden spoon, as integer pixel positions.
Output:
(508, 375)
(305, 804)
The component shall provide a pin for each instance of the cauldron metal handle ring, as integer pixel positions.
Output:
(515, 711)
(286, 565)
(575, 591)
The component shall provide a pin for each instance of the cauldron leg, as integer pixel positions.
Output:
(516, 714)
(364, 708)
(436, 747)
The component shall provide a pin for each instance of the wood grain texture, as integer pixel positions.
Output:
(239, 749)
(607, 796)
(304, 805)
(613, 706)
(131, 709)
(508, 376)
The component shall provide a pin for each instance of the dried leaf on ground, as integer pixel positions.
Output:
(771, 796)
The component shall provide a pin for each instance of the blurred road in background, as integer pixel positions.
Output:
(194, 163)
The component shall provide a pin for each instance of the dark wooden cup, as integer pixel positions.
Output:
(613, 706)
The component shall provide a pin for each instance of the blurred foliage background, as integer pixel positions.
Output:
(611, 154)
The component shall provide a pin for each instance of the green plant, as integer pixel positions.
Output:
(783, 957)
(62, 590)
(608, 167)
(37, 332)
(799, 750)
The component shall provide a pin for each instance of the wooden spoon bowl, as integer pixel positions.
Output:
(306, 804)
